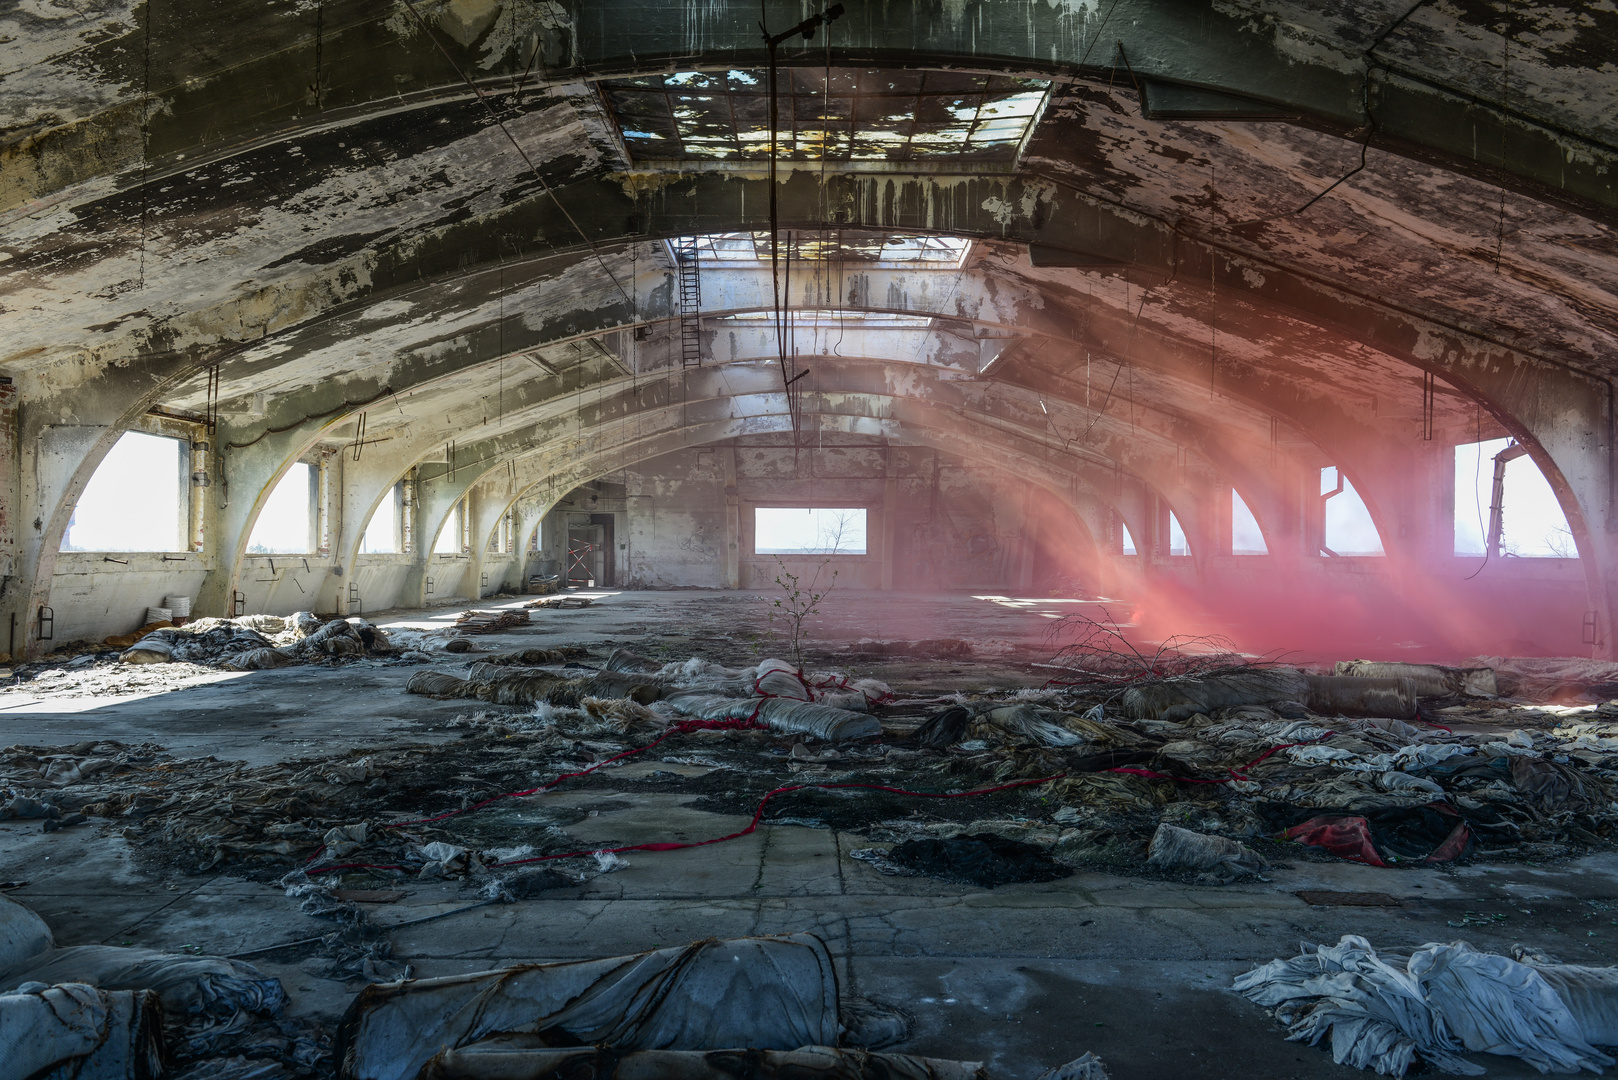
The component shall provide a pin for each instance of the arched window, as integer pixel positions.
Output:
(1348, 529)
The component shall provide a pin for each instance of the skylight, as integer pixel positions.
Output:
(809, 317)
(944, 252)
(846, 114)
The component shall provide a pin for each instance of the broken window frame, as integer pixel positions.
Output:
(1496, 543)
(722, 116)
(1322, 520)
(915, 251)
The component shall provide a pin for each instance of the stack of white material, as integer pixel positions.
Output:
(1440, 1001)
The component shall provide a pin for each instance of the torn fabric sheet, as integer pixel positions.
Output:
(1381, 1012)
(776, 993)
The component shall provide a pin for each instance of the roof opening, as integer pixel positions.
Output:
(940, 252)
(836, 114)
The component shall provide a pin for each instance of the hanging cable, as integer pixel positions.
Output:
(772, 43)
(1477, 495)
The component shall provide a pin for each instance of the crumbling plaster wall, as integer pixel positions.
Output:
(969, 524)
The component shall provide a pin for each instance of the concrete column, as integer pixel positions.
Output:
(890, 527)
(732, 553)
(1028, 538)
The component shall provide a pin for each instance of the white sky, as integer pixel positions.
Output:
(283, 525)
(449, 540)
(1246, 538)
(1129, 541)
(809, 531)
(132, 503)
(1177, 544)
(1349, 528)
(1533, 519)
(379, 532)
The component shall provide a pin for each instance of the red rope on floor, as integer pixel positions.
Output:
(1235, 774)
(683, 727)
(758, 816)
(686, 726)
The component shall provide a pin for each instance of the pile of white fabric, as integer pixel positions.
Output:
(100, 1011)
(256, 642)
(768, 678)
(1440, 1001)
(822, 705)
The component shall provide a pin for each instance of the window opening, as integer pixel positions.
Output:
(382, 533)
(940, 252)
(1246, 538)
(809, 530)
(449, 539)
(830, 114)
(872, 320)
(1177, 541)
(137, 500)
(1348, 529)
(1504, 504)
(285, 525)
(1127, 540)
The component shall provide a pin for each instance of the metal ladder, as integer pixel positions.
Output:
(685, 261)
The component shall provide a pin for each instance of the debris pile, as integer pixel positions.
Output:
(257, 642)
(490, 622)
(99, 1010)
(560, 602)
(1384, 1011)
(772, 694)
(1204, 766)
(1211, 797)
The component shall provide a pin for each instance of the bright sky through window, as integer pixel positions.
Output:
(1532, 521)
(871, 320)
(132, 503)
(381, 533)
(809, 531)
(283, 526)
(449, 540)
(846, 114)
(942, 252)
(1177, 544)
(1246, 538)
(1349, 528)
(1127, 539)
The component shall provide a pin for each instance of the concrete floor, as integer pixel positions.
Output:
(1022, 977)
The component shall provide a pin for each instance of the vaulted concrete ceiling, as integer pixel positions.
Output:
(423, 209)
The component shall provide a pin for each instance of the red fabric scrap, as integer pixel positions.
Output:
(1454, 845)
(1345, 837)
